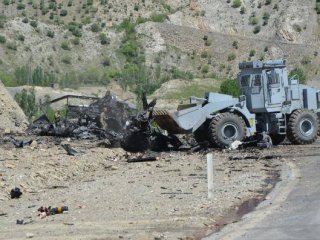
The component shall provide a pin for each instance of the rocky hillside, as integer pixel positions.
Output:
(100, 41)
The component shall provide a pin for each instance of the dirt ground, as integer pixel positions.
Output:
(109, 198)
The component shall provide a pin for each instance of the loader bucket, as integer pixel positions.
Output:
(165, 121)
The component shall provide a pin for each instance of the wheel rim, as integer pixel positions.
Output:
(306, 127)
(229, 131)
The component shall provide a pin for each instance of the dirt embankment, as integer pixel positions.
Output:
(12, 118)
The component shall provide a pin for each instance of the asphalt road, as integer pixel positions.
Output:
(291, 211)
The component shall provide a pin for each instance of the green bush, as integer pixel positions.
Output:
(50, 34)
(12, 46)
(205, 69)
(318, 7)
(236, 3)
(252, 53)
(306, 60)
(230, 87)
(104, 39)
(75, 41)
(204, 54)
(25, 20)
(105, 62)
(242, 10)
(66, 59)
(6, 2)
(2, 39)
(34, 23)
(158, 17)
(299, 73)
(65, 45)
(63, 12)
(27, 101)
(235, 44)
(95, 27)
(21, 38)
(256, 29)
(253, 20)
(268, 2)
(21, 6)
(231, 57)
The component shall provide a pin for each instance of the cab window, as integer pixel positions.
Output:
(271, 77)
(245, 81)
(256, 81)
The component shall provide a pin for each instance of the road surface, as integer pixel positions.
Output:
(292, 210)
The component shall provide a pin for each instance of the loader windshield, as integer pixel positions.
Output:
(245, 80)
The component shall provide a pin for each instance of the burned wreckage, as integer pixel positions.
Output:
(117, 123)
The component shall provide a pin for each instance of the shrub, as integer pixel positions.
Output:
(299, 73)
(242, 10)
(75, 41)
(12, 46)
(235, 44)
(34, 23)
(205, 69)
(318, 7)
(104, 39)
(252, 53)
(95, 27)
(256, 29)
(230, 87)
(105, 62)
(6, 2)
(21, 6)
(268, 2)
(236, 3)
(2, 39)
(50, 34)
(158, 17)
(253, 20)
(204, 54)
(63, 12)
(65, 45)
(21, 38)
(25, 20)
(208, 43)
(306, 60)
(231, 56)
(66, 59)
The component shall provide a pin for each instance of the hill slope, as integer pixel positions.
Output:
(188, 38)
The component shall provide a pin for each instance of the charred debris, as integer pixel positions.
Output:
(117, 123)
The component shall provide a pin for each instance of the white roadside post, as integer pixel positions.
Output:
(210, 174)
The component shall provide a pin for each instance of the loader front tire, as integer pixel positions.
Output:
(303, 127)
(226, 128)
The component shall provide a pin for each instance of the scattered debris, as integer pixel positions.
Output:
(142, 157)
(47, 211)
(15, 193)
(235, 145)
(71, 151)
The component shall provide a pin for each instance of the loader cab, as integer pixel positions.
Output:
(264, 84)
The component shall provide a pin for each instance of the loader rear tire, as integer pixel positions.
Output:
(226, 128)
(303, 127)
(277, 138)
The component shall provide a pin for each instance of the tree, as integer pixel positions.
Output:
(298, 73)
(230, 87)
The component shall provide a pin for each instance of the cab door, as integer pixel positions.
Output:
(275, 89)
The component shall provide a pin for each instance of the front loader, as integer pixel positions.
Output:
(270, 104)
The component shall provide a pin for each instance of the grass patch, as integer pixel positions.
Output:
(191, 90)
